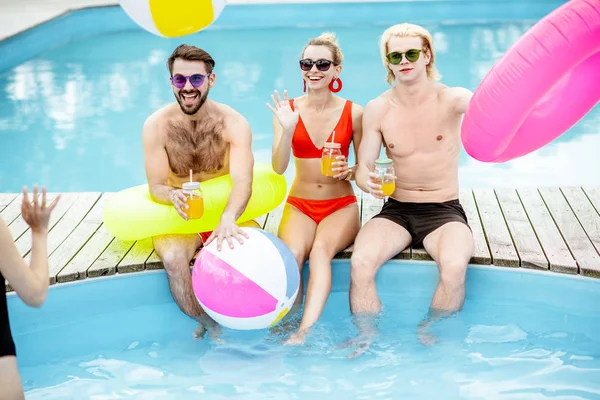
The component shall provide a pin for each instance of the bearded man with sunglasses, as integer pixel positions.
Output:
(209, 139)
(418, 123)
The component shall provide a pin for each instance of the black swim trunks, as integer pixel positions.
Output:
(420, 219)
(7, 345)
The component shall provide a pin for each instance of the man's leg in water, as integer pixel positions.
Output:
(378, 241)
(10, 379)
(451, 247)
(176, 252)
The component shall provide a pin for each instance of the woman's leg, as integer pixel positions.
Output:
(297, 231)
(335, 233)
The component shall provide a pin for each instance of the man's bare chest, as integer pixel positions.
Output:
(406, 133)
(195, 146)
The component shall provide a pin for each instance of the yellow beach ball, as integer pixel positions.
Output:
(172, 18)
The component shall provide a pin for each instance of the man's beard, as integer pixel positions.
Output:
(186, 109)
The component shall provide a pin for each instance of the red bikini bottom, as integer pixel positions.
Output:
(317, 210)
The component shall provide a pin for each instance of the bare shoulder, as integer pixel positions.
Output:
(456, 97)
(234, 122)
(154, 124)
(357, 108)
(453, 92)
(379, 105)
(299, 101)
(231, 116)
(357, 111)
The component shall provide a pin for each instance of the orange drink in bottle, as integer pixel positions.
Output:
(195, 200)
(388, 187)
(384, 167)
(330, 153)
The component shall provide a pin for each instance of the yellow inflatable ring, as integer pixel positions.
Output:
(132, 214)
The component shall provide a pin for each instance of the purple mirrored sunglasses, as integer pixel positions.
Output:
(196, 80)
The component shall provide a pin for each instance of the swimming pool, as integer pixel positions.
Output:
(123, 336)
(76, 91)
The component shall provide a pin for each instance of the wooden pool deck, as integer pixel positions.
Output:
(554, 229)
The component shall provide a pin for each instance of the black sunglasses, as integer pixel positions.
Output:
(395, 58)
(322, 65)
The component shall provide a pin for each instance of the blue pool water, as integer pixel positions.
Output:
(71, 113)
(521, 335)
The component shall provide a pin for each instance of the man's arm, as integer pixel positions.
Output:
(357, 132)
(460, 99)
(241, 167)
(370, 144)
(156, 162)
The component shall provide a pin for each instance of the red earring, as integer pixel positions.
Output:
(304, 85)
(332, 85)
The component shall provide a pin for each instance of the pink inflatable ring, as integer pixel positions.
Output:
(546, 82)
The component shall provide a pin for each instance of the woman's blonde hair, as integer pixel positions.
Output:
(328, 40)
(405, 29)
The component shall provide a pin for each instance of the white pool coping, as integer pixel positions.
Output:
(17, 16)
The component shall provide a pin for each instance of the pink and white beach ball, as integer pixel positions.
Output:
(252, 286)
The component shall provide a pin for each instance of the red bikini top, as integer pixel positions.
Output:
(303, 146)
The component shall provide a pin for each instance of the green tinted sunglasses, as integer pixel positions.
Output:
(395, 58)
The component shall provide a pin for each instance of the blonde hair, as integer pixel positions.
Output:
(406, 29)
(328, 40)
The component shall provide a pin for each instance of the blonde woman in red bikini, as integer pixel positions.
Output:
(321, 214)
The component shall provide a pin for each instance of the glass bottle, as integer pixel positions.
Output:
(330, 153)
(384, 167)
(194, 200)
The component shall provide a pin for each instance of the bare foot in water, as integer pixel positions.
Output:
(360, 347)
(288, 324)
(296, 338)
(214, 332)
(367, 328)
(200, 331)
(360, 344)
(427, 338)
